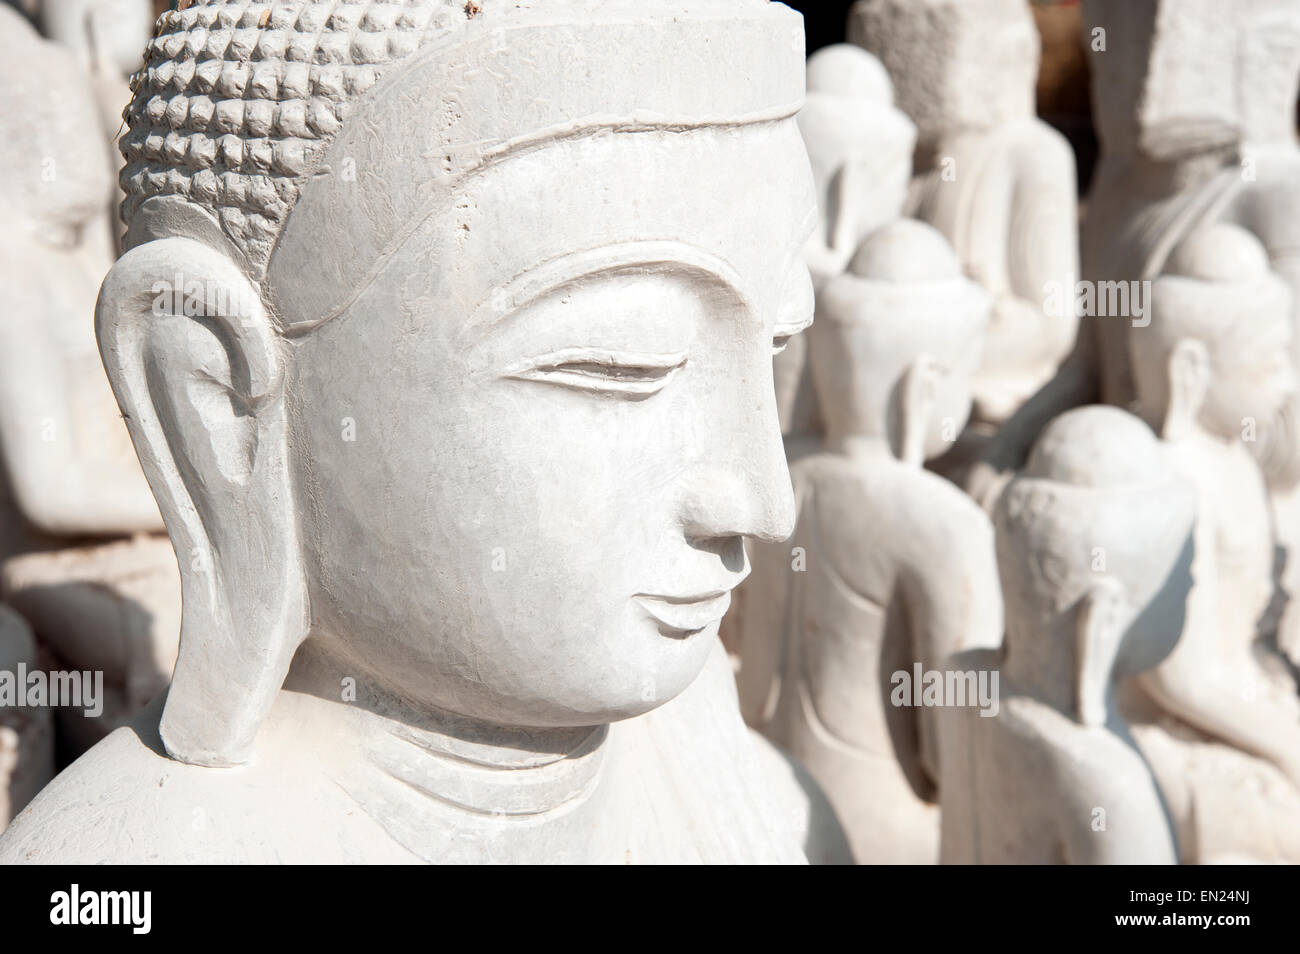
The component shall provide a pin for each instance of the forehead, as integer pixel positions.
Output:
(741, 198)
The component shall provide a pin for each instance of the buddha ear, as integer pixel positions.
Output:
(848, 188)
(1189, 381)
(920, 389)
(195, 363)
(1098, 631)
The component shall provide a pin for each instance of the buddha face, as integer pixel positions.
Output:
(527, 454)
(1254, 377)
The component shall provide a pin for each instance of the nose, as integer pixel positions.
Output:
(744, 488)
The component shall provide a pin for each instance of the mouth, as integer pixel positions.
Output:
(682, 616)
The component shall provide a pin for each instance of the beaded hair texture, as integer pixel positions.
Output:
(237, 100)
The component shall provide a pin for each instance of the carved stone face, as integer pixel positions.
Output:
(1254, 377)
(527, 452)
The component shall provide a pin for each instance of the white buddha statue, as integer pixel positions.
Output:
(1194, 103)
(995, 180)
(865, 587)
(1094, 542)
(465, 408)
(860, 147)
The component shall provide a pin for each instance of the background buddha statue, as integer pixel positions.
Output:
(865, 587)
(1094, 543)
(860, 147)
(81, 548)
(108, 38)
(464, 406)
(1194, 104)
(995, 180)
(1213, 371)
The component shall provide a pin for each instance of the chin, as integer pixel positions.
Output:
(636, 684)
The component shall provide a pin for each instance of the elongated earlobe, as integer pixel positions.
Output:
(1189, 380)
(194, 360)
(1098, 637)
(920, 387)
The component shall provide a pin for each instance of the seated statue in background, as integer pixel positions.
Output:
(1194, 104)
(1213, 371)
(890, 566)
(995, 180)
(107, 37)
(466, 609)
(1094, 543)
(81, 553)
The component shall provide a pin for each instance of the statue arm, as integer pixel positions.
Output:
(1043, 257)
(954, 602)
(1205, 694)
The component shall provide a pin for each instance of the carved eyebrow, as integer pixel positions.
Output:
(553, 275)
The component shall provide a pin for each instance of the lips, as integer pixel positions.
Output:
(685, 615)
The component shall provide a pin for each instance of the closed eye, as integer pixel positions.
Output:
(783, 333)
(634, 375)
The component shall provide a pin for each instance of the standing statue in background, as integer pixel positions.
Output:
(465, 610)
(82, 554)
(890, 566)
(1094, 543)
(995, 180)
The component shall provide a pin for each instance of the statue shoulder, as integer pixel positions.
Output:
(107, 807)
(942, 514)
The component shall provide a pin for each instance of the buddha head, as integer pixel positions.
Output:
(1175, 78)
(1216, 353)
(860, 147)
(1094, 544)
(445, 339)
(957, 65)
(896, 341)
(1268, 46)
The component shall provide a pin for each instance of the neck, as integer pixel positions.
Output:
(1041, 661)
(469, 765)
(860, 446)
